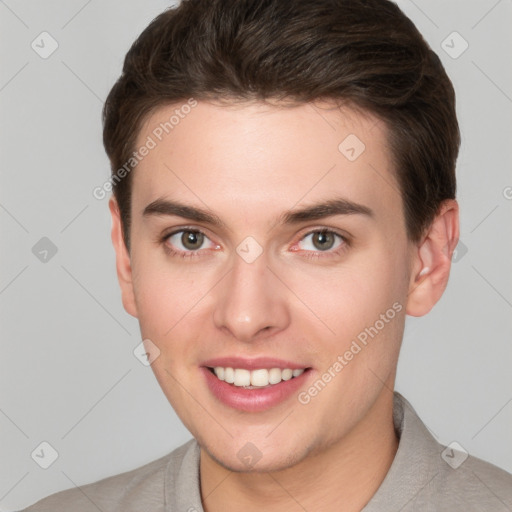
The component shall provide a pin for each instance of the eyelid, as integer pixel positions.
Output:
(318, 229)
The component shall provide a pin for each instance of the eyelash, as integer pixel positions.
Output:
(312, 255)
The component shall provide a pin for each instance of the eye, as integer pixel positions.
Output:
(323, 240)
(187, 241)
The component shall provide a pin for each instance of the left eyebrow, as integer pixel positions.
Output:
(329, 208)
(337, 206)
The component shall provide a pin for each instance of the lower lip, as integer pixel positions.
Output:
(253, 400)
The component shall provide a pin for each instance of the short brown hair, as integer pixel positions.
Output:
(364, 53)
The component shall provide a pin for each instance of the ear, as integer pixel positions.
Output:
(123, 262)
(433, 259)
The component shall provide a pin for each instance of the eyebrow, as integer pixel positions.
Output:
(328, 208)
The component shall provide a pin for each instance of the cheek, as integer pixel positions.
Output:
(360, 302)
(352, 293)
(165, 288)
(168, 301)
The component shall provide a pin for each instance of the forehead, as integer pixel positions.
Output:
(266, 157)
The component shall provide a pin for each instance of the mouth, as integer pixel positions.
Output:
(255, 379)
(255, 390)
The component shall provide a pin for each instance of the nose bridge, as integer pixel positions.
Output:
(250, 299)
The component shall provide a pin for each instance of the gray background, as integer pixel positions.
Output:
(68, 375)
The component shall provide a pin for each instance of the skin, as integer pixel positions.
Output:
(248, 163)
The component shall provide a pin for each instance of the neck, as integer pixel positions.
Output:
(342, 477)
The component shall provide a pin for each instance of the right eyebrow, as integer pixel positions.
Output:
(167, 207)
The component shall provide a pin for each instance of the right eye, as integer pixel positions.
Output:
(187, 241)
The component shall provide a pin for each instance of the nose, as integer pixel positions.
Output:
(251, 301)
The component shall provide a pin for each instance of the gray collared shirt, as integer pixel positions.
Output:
(424, 476)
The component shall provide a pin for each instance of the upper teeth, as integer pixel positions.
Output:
(260, 378)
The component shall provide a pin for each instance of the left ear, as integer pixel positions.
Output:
(433, 259)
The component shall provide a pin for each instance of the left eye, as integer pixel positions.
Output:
(323, 240)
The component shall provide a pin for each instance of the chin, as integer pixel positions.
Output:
(249, 458)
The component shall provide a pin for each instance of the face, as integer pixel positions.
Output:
(224, 272)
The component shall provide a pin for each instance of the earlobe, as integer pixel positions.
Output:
(431, 268)
(123, 260)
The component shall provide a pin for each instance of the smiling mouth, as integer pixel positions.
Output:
(255, 379)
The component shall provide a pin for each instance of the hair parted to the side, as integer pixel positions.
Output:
(364, 53)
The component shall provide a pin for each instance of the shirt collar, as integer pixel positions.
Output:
(415, 464)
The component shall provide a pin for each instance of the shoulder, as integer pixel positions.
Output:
(475, 484)
(139, 489)
(447, 477)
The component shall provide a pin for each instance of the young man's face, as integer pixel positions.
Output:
(309, 300)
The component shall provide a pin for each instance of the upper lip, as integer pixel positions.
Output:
(253, 364)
